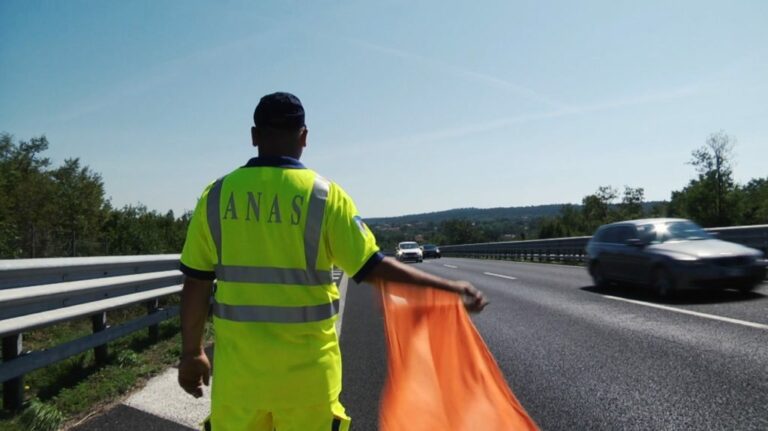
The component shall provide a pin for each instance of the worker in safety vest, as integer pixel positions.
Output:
(269, 233)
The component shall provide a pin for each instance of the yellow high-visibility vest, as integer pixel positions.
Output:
(269, 233)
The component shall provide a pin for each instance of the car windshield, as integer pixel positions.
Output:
(672, 231)
(429, 247)
(408, 245)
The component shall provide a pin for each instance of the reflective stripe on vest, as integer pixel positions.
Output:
(273, 314)
(274, 275)
(270, 275)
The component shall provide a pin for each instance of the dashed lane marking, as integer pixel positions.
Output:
(692, 313)
(500, 275)
(450, 266)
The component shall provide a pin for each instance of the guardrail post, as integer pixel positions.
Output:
(154, 330)
(99, 322)
(13, 390)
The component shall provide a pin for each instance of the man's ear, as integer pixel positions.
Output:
(303, 136)
(254, 137)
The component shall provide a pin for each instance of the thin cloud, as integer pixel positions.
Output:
(476, 76)
(467, 130)
(158, 76)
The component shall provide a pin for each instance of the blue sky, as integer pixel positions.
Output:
(411, 106)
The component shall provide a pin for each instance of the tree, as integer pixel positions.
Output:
(754, 202)
(552, 227)
(631, 206)
(81, 210)
(47, 212)
(710, 198)
(460, 231)
(596, 207)
(26, 193)
(8, 238)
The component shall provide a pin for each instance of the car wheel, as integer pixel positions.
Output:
(598, 277)
(663, 282)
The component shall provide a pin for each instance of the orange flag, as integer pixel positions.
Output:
(441, 375)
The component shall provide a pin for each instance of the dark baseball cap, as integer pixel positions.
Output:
(279, 111)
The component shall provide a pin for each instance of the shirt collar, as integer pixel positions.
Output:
(275, 162)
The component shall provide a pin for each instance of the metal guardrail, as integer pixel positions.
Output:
(36, 293)
(572, 250)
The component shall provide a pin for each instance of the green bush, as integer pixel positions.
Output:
(127, 358)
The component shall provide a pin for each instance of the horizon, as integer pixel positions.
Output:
(373, 219)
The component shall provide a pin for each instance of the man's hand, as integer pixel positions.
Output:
(390, 269)
(474, 300)
(194, 371)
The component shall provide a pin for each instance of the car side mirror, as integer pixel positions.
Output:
(635, 242)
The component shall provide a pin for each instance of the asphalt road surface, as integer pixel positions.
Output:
(579, 358)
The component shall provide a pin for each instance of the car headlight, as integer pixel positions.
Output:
(399, 252)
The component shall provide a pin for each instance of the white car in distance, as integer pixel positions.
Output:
(409, 251)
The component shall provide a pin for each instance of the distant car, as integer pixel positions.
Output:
(408, 251)
(671, 254)
(430, 250)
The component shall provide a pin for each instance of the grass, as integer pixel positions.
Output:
(65, 392)
(40, 417)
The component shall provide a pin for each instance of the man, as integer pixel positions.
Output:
(269, 233)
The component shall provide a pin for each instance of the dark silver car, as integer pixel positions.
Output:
(430, 250)
(670, 254)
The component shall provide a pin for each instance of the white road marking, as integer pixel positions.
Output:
(500, 276)
(450, 266)
(342, 300)
(692, 313)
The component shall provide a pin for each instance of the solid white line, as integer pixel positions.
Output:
(500, 276)
(692, 313)
(450, 266)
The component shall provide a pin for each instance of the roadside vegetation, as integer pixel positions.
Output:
(54, 211)
(57, 211)
(66, 393)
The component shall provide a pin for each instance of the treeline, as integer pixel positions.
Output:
(712, 198)
(475, 214)
(454, 231)
(48, 211)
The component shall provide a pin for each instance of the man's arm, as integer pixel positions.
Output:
(194, 368)
(391, 270)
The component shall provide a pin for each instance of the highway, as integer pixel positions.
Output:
(582, 359)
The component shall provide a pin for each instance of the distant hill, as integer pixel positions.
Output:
(481, 214)
(476, 214)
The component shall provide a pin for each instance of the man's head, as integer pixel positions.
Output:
(279, 128)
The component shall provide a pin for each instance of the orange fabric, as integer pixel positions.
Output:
(441, 375)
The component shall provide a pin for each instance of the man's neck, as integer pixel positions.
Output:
(283, 153)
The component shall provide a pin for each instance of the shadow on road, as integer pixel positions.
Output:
(687, 297)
